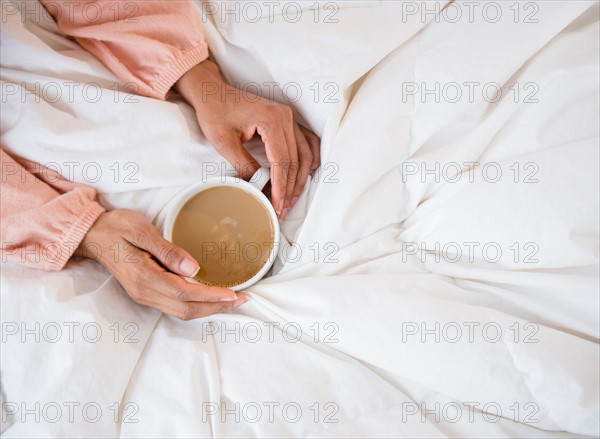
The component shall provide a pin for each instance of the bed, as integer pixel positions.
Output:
(443, 278)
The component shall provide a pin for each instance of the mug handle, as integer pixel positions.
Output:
(260, 178)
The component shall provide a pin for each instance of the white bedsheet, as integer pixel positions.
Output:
(366, 283)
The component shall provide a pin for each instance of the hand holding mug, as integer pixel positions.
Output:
(228, 118)
(148, 267)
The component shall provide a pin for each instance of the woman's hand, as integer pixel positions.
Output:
(228, 118)
(136, 254)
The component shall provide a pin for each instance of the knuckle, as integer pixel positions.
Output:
(137, 278)
(180, 295)
(287, 112)
(225, 306)
(187, 313)
(136, 294)
(265, 125)
(305, 154)
(139, 237)
(312, 137)
(247, 170)
(313, 141)
(220, 138)
(273, 109)
(286, 166)
(294, 172)
(168, 254)
(279, 158)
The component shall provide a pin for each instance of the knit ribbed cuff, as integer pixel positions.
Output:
(162, 85)
(75, 235)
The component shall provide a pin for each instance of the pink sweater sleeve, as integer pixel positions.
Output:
(43, 217)
(149, 43)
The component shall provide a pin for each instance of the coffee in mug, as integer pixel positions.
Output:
(229, 232)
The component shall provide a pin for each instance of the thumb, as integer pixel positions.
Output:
(168, 254)
(229, 145)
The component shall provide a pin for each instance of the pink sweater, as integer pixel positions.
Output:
(149, 43)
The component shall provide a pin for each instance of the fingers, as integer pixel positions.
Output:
(141, 276)
(291, 167)
(315, 147)
(175, 259)
(174, 287)
(293, 151)
(136, 249)
(149, 284)
(281, 136)
(277, 154)
(184, 300)
(194, 310)
(305, 159)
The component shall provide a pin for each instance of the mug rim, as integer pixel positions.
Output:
(175, 206)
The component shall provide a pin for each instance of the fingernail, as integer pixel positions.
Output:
(230, 298)
(243, 299)
(284, 214)
(294, 201)
(189, 267)
(280, 206)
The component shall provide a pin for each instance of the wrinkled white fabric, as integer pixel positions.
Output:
(359, 367)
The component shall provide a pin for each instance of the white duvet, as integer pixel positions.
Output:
(408, 307)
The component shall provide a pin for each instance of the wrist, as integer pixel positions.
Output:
(203, 79)
(91, 246)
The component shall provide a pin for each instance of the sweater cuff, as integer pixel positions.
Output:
(162, 85)
(75, 235)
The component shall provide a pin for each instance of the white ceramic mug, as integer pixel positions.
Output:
(254, 187)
